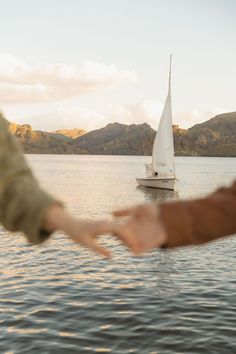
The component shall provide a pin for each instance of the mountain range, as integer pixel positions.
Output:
(215, 137)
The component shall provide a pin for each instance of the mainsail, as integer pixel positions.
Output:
(163, 148)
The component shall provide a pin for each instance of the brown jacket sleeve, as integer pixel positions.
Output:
(202, 220)
(22, 202)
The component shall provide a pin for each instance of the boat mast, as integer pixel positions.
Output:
(170, 73)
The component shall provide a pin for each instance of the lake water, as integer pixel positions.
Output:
(60, 298)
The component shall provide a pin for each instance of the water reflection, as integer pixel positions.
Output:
(60, 298)
(154, 194)
(165, 275)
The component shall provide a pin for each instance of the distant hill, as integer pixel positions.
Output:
(215, 137)
(70, 133)
(39, 142)
(118, 139)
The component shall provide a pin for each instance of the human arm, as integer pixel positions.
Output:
(26, 207)
(81, 231)
(202, 220)
(22, 202)
(181, 223)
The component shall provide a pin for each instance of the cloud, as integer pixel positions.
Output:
(42, 82)
(148, 111)
(195, 116)
(64, 116)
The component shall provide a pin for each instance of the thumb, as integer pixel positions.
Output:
(95, 247)
(123, 212)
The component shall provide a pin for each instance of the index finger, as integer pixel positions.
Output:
(123, 212)
(95, 247)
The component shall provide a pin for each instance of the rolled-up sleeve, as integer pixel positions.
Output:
(194, 222)
(23, 203)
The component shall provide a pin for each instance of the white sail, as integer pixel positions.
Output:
(161, 172)
(163, 148)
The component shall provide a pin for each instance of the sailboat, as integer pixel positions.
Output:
(161, 172)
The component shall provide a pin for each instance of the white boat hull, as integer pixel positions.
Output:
(160, 183)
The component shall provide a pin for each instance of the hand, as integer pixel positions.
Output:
(143, 231)
(84, 232)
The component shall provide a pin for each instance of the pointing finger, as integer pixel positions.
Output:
(94, 246)
(123, 212)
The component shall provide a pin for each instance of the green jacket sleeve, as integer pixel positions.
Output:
(22, 202)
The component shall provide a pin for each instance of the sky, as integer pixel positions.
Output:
(86, 63)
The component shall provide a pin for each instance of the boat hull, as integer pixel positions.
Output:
(160, 183)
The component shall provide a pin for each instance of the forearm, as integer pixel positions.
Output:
(23, 203)
(199, 221)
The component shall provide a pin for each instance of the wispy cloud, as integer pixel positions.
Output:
(43, 82)
(195, 116)
(65, 116)
(148, 111)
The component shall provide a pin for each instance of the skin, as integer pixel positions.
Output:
(85, 232)
(143, 230)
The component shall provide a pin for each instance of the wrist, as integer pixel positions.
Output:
(163, 231)
(56, 218)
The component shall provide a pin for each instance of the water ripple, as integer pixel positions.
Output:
(60, 298)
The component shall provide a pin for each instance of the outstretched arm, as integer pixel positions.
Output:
(23, 203)
(25, 207)
(180, 223)
(203, 220)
